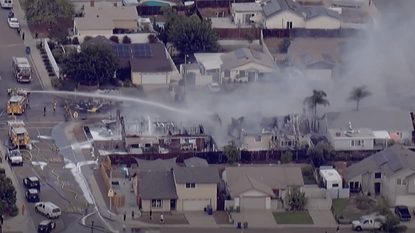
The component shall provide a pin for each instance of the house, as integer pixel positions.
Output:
(156, 190)
(241, 65)
(196, 187)
(367, 129)
(106, 20)
(322, 18)
(284, 14)
(321, 66)
(256, 187)
(196, 162)
(390, 173)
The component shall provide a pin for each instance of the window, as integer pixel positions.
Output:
(258, 138)
(227, 73)
(242, 73)
(378, 175)
(335, 185)
(403, 181)
(156, 203)
(357, 143)
(190, 185)
(400, 181)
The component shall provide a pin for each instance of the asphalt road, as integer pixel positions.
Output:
(234, 230)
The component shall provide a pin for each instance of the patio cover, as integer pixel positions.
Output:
(381, 135)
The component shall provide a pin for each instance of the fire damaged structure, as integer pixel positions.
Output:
(291, 132)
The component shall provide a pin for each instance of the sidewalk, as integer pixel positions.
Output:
(19, 222)
(35, 56)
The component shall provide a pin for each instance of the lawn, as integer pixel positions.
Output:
(294, 217)
(344, 208)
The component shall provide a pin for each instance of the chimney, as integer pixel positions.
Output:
(92, 3)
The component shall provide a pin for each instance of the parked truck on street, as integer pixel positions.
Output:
(367, 223)
(22, 70)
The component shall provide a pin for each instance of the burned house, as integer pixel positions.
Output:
(289, 132)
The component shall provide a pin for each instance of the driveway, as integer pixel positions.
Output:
(322, 218)
(256, 218)
(200, 219)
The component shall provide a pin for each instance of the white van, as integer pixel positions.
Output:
(6, 3)
(48, 209)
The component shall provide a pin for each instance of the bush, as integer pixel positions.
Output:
(45, 56)
(126, 40)
(56, 83)
(51, 45)
(364, 202)
(13, 211)
(115, 39)
(75, 40)
(307, 171)
(58, 55)
(287, 157)
(152, 39)
(86, 38)
(51, 74)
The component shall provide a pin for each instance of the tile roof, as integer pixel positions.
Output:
(247, 183)
(196, 162)
(198, 175)
(157, 185)
(389, 161)
(374, 119)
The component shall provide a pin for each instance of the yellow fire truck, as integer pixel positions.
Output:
(18, 134)
(18, 101)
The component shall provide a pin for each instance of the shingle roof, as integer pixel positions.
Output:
(94, 23)
(158, 62)
(374, 119)
(277, 6)
(245, 56)
(275, 177)
(389, 161)
(247, 183)
(100, 40)
(156, 165)
(246, 7)
(198, 175)
(196, 162)
(111, 12)
(321, 11)
(157, 185)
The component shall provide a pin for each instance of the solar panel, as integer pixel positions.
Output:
(256, 54)
(393, 161)
(379, 158)
(142, 51)
(240, 53)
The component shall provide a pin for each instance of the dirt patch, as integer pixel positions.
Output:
(44, 28)
(169, 218)
(215, 12)
(221, 217)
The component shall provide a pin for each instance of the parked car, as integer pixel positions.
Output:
(32, 195)
(46, 226)
(14, 157)
(367, 223)
(403, 213)
(214, 87)
(48, 209)
(31, 182)
(13, 23)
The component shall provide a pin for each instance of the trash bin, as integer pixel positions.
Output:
(231, 209)
(27, 50)
(239, 225)
(245, 225)
(209, 210)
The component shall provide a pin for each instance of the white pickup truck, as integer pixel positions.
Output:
(367, 223)
(15, 157)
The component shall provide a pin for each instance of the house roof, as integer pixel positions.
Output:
(196, 162)
(321, 11)
(156, 165)
(374, 119)
(309, 60)
(158, 62)
(157, 185)
(275, 177)
(247, 183)
(389, 161)
(273, 7)
(111, 12)
(246, 7)
(245, 56)
(100, 40)
(198, 175)
(94, 23)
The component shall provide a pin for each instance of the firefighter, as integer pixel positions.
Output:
(9, 91)
(15, 91)
(75, 115)
(54, 105)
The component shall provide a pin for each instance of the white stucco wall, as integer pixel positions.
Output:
(323, 22)
(280, 20)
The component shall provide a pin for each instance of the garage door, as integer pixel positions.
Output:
(323, 74)
(195, 204)
(155, 78)
(408, 200)
(253, 203)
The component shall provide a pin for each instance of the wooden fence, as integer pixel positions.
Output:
(238, 33)
(303, 32)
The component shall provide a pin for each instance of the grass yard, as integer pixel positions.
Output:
(294, 217)
(344, 208)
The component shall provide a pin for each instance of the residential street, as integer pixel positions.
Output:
(234, 230)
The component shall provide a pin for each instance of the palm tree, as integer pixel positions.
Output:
(318, 98)
(357, 94)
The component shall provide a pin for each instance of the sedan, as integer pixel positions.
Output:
(13, 23)
(214, 87)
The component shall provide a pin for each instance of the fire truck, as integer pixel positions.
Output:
(18, 101)
(18, 134)
(22, 70)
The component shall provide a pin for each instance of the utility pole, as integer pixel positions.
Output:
(185, 73)
(110, 188)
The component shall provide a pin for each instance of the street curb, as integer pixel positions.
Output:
(37, 72)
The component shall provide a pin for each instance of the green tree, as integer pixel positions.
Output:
(320, 153)
(357, 94)
(295, 198)
(59, 35)
(383, 207)
(250, 38)
(7, 195)
(287, 157)
(95, 63)
(47, 11)
(232, 153)
(391, 224)
(318, 98)
(171, 18)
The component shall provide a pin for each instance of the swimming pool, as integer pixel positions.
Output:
(155, 3)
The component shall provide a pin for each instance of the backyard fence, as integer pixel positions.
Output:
(238, 33)
(303, 32)
(339, 193)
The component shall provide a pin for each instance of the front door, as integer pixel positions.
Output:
(172, 204)
(377, 188)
